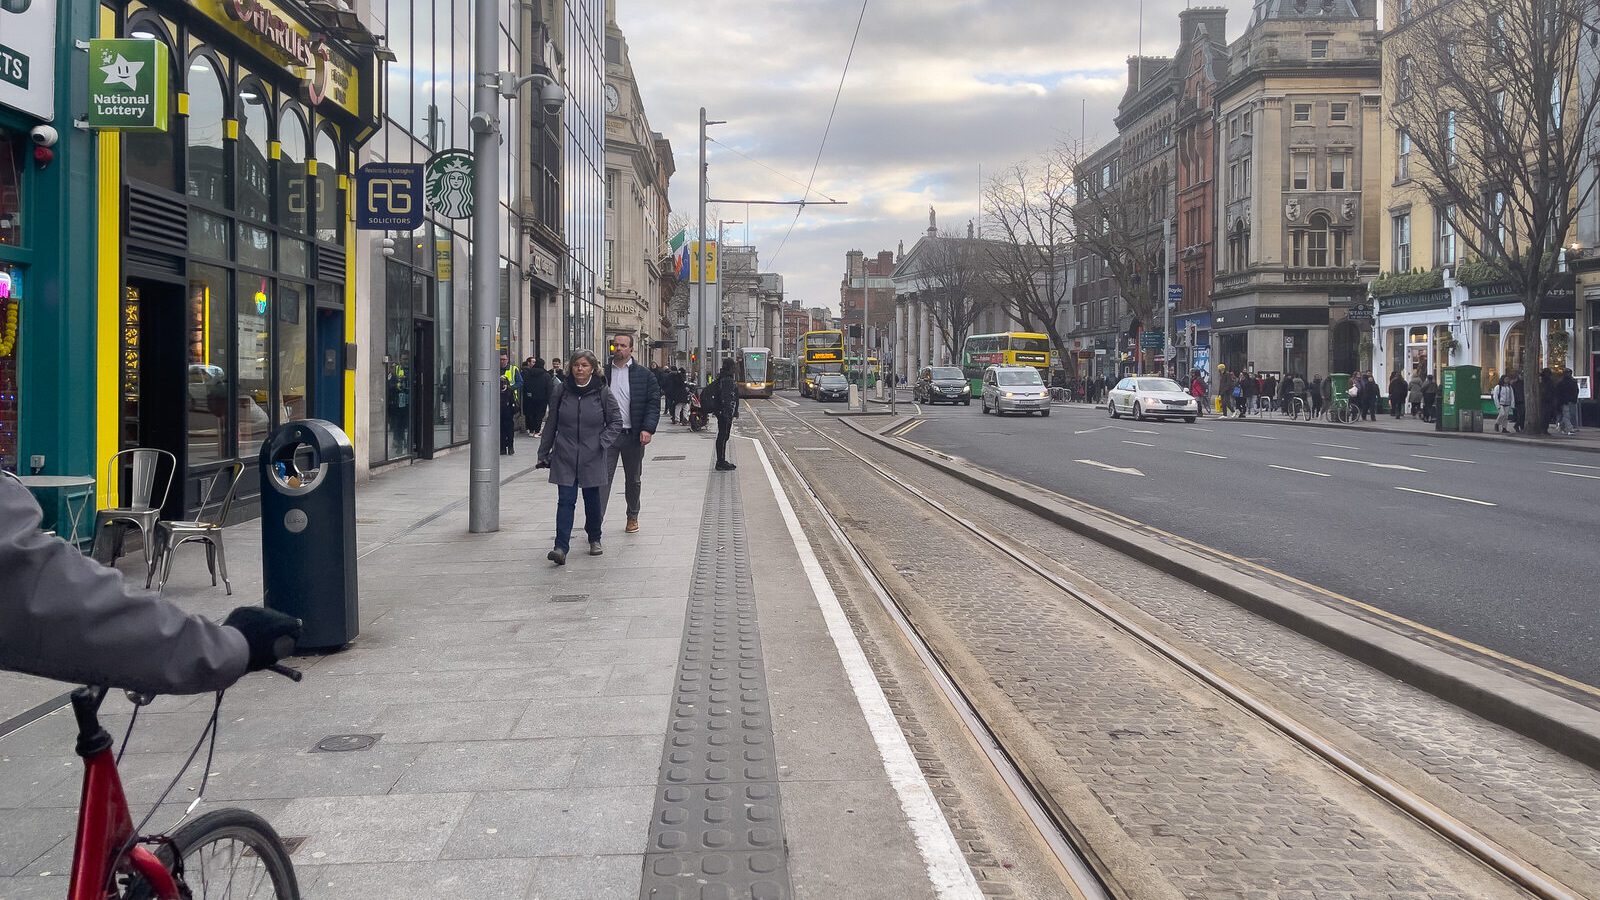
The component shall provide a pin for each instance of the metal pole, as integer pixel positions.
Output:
(866, 334)
(701, 317)
(483, 512)
(1166, 299)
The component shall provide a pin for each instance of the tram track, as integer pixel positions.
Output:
(1048, 817)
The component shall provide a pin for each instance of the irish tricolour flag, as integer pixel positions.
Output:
(680, 252)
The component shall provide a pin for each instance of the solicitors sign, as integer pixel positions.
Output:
(127, 85)
(28, 56)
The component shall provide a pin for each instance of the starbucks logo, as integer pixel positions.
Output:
(448, 184)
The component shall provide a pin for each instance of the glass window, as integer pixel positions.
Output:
(1302, 172)
(1339, 112)
(209, 391)
(293, 337)
(1402, 155)
(252, 294)
(397, 360)
(1341, 239)
(208, 170)
(294, 257)
(1319, 49)
(1489, 351)
(402, 73)
(208, 234)
(1302, 113)
(255, 174)
(294, 194)
(1317, 242)
(150, 156)
(1447, 135)
(1337, 163)
(12, 153)
(1445, 228)
(255, 246)
(330, 212)
(1402, 242)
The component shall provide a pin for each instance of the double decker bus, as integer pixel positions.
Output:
(819, 352)
(755, 372)
(1009, 348)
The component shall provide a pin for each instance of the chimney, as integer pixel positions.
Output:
(1214, 19)
(885, 262)
(852, 265)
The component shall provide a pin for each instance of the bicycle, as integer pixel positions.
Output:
(1343, 411)
(1297, 409)
(202, 858)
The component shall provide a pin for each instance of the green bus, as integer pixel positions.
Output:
(1009, 348)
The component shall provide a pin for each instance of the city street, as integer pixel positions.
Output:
(1484, 542)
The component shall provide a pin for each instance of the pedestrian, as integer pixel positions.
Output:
(1430, 393)
(535, 395)
(556, 375)
(1247, 393)
(1397, 395)
(1324, 394)
(1300, 391)
(1567, 397)
(1414, 392)
(1369, 397)
(1197, 390)
(508, 417)
(638, 397)
(584, 421)
(1519, 396)
(1269, 391)
(530, 423)
(680, 395)
(724, 397)
(1505, 404)
(511, 371)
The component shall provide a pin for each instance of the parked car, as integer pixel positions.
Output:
(832, 386)
(1014, 389)
(941, 384)
(1145, 397)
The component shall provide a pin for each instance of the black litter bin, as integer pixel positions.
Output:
(308, 531)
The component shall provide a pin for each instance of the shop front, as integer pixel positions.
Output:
(1292, 340)
(231, 304)
(1192, 334)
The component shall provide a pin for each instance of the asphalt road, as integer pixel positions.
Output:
(1494, 544)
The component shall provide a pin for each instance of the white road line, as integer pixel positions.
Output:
(1361, 462)
(1575, 475)
(1301, 471)
(1446, 496)
(821, 449)
(1110, 468)
(1139, 443)
(1262, 437)
(1198, 428)
(1340, 446)
(1470, 462)
(1551, 462)
(1137, 430)
(1093, 430)
(1198, 453)
(947, 867)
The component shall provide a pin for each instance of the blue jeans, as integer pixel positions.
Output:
(1569, 417)
(567, 506)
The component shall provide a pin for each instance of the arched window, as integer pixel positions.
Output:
(1317, 241)
(150, 156)
(330, 215)
(1489, 351)
(1513, 349)
(294, 194)
(255, 170)
(204, 130)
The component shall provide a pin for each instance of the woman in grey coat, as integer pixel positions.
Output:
(580, 427)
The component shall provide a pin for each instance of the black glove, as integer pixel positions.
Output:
(270, 634)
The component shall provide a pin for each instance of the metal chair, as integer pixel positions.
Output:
(172, 535)
(141, 510)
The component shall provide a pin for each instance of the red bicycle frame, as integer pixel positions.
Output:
(105, 845)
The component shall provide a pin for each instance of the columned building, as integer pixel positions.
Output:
(1200, 65)
(1298, 122)
(926, 282)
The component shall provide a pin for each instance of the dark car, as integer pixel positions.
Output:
(832, 386)
(941, 384)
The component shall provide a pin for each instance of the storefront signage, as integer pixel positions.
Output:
(127, 84)
(1394, 303)
(448, 184)
(389, 197)
(28, 56)
(545, 269)
(1560, 298)
(327, 73)
(1270, 315)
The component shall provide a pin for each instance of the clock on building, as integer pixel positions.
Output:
(613, 99)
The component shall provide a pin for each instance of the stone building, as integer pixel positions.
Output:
(867, 288)
(1097, 304)
(1200, 65)
(1144, 129)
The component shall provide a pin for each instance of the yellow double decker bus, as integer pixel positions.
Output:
(819, 352)
(1009, 348)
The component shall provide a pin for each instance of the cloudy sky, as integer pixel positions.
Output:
(936, 90)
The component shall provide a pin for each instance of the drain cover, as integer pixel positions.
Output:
(570, 598)
(342, 743)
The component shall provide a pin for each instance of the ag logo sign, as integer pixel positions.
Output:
(449, 184)
(127, 84)
(389, 196)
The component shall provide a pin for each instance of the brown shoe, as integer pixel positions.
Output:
(633, 525)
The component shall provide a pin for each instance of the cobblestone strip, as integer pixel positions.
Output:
(1544, 805)
(1222, 805)
(717, 831)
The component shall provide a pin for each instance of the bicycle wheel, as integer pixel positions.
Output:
(227, 853)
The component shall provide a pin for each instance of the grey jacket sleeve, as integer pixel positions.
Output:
(65, 616)
(547, 434)
(613, 420)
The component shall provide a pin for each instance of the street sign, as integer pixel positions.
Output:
(1288, 343)
(389, 197)
(1360, 312)
(448, 181)
(127, 85)
(1152, 340)
(1174, 293)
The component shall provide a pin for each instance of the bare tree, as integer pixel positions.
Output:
(1029, 211)
(951, 280)
(1500, 129)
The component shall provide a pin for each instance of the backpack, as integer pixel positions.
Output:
(1238, 391)
(710, 403)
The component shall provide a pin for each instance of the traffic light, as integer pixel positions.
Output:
(855, 331)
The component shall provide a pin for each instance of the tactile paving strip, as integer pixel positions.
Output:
(717, 833)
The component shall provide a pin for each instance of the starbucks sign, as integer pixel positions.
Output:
(127, 85)
(28, 56)
(448, 183)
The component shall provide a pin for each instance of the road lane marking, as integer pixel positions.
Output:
(1198, 428)
(1301, 471)
(1340, 446)
(1361, 462)
(1093, 430)
(1198, 453)
(1110, 468)
(1139, 443)
(1137, 430)
(910, 428)
(1551, 462)
(1445, 496)
(1261, 437)
(820, 449)
(1575, 475)
(1470, 462)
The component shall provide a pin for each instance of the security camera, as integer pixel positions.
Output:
(552, 98)
(44, 136)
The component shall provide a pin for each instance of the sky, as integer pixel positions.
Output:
(937, 90)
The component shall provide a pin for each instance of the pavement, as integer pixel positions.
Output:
(683, 716)
(1486, 539)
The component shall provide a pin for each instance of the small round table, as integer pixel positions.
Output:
(73, 493)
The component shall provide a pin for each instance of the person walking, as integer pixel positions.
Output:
(508, 417)
(1414, 392)
(725, 406)
(583, 423)
(1269, 392)
(1369, 396)
(1430, 393)
(1397, 395)
(638, 397)
(1567, 396)
(556, 375)
(1247, 393)
(1324, 395)
(678, 396)
(535, 395)
(1505, 404)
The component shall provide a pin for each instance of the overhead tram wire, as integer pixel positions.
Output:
(826, 129)
(763, 165)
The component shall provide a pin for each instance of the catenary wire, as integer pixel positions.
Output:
(769, 169)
